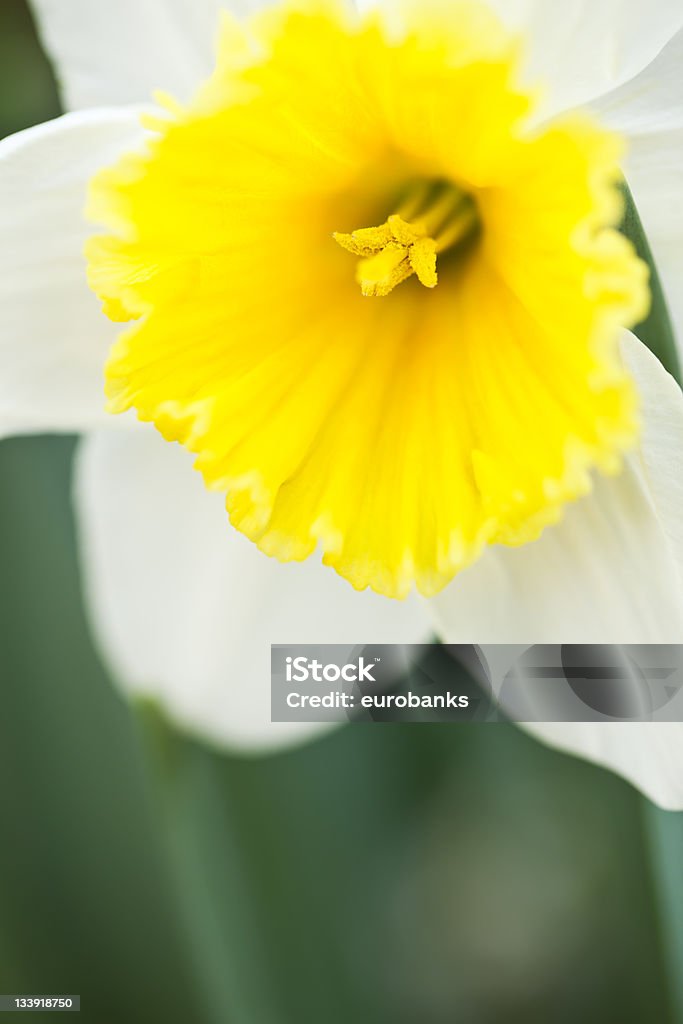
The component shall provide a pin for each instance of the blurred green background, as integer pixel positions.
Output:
(387, 873)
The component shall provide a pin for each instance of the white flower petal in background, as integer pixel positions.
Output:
(53, 336)
(649, 111)
(119, 52)
(580, 49)
(186, 608)
(610, 572)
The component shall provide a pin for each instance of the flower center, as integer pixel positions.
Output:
(433, 217)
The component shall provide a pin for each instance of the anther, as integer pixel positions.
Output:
(431, 219)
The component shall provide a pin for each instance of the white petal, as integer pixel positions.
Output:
(580, 49)
(649, 111)
(610, 572)
(119, 52)
(53, 336)
(185, 607)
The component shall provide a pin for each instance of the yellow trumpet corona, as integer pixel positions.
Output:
(403, 435)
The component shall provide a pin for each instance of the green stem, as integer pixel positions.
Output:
(203, 946)
(271, 858)
(665, 833)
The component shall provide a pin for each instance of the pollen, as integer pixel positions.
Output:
(398, 437)
(430, 220)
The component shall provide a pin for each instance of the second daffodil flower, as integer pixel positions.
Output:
(379, 292)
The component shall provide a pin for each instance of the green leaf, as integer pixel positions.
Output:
(656, 331)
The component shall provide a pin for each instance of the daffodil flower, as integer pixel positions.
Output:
(373, 282)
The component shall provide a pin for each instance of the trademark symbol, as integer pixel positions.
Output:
(378, 659)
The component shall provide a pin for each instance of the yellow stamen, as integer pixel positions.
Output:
(431, 219)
